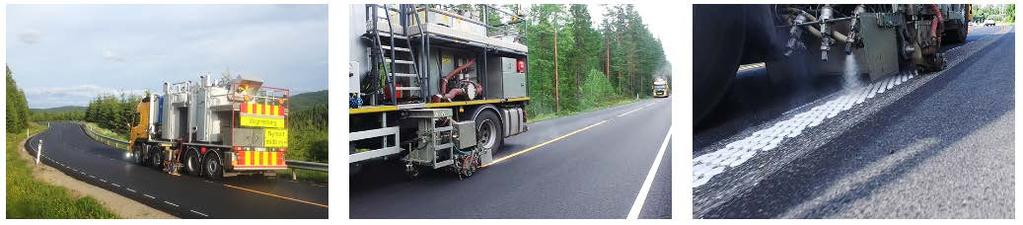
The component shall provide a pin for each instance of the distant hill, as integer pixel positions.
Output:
(307, 100)
(297, 102)
(61, 109)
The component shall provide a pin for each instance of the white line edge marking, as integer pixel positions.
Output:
(131, 190)
(634, 110)
(637, 206)
(149, 196)
(115, 184)
(171, 203)
(197, 212)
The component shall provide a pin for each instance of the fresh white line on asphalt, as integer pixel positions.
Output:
(637, 206)
(131, 190)
(91, 176)
(171, 203)
(740, 151)
(115, 184)
(149, 196)
(637, 109)
(102, 180)
(197, 212)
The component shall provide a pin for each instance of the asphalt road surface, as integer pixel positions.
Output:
(936, 145)
(67, 148)
(595, 167)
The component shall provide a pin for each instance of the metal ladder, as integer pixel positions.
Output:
(395, 57)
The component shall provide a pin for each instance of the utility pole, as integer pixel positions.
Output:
(557, 97)
(607, 64)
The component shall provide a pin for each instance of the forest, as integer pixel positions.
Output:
(575, 65)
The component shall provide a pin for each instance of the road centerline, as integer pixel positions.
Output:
(275, 195)
(544, 143)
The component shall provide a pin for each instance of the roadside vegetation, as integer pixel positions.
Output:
(1000, 13)
(28, 197)
(575, 66)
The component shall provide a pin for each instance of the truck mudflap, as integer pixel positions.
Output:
(247, 159)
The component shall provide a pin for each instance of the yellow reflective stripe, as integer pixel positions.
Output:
(273, 159)
(266, 159)
(248, 158)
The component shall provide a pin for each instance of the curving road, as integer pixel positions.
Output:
(67, 148)
(593, 165)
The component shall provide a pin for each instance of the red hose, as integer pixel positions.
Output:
(937, 19)
(444, 82)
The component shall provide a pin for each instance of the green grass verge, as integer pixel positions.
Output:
(306, 175)
(28, 197)
(105, 132)
(608, 104)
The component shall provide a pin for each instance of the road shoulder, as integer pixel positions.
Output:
(122, 206)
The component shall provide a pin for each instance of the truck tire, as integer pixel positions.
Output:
(718, 49)
(138, 154)
(489, 131)
(192, 164)
(155, 158)
(212, 166)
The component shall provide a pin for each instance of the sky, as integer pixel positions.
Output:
(68, 54)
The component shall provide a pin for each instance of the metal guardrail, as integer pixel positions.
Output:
(303, 165)
(117, 143)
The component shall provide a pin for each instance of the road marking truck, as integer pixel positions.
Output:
(212, 128)
(434, 86)
(660, 88)
(798, 41)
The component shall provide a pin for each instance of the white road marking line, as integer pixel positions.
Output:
(197, 212)
(131, 190)
(102, 180)
(740, 151)
(171, 203)
(637, 206)
(115, 184)
(91, 176)
(149, 196)
(634, 110)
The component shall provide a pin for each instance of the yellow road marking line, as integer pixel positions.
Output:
(275, 196)
(545, 143)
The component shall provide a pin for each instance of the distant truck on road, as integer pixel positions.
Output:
(797, 41)
(212, 128)
(660, 88)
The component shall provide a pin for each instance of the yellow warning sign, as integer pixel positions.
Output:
(253, 121)
(276, 138)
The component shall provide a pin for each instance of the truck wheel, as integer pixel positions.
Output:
(156, 158)
(137, 155)
(489, 131)
(212, 167)
(192, 165)
(718, 49)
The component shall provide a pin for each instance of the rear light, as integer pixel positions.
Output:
(520, 66)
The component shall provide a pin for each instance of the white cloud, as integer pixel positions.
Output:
(73, 95)
(30, 37)
(112, 56)
(142, 46)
